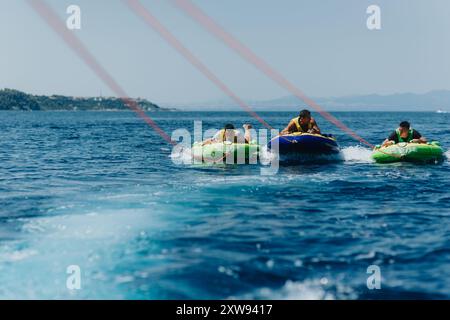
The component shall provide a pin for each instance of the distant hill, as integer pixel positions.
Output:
(20, 101)
(431, 101)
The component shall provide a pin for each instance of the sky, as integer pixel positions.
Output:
(323, 46)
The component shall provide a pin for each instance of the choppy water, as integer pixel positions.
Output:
(99, 190)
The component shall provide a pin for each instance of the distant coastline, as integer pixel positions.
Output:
(408, 102)
(15, 100)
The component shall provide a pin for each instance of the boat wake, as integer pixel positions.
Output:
(353, 154)
(318, 289)
(357, 154)
(34, 267)
(181, 155)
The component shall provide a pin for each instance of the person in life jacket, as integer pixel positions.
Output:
(231, 135)
(404, 133)
(303, 123)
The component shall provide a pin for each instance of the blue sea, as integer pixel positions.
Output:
(100, 190)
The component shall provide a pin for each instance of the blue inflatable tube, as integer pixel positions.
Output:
(305, 143)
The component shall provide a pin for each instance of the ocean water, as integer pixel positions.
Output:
(99, 190)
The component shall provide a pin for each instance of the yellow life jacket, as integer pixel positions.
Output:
(299, 127)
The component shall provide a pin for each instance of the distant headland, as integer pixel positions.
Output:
(14, 100)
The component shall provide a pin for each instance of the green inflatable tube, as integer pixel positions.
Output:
(409, 152)
(227, 153)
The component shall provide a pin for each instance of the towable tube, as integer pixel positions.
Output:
(409, 152)
(305, 143)
(225, 152)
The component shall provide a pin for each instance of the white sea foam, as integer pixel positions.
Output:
(357, 154)
(111, 226)
(308, 290)
(9, 255)
(292, 290)
(318, 289)
(181, 155)
(35, 267)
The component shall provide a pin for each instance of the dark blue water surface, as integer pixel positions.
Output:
(99, 190)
